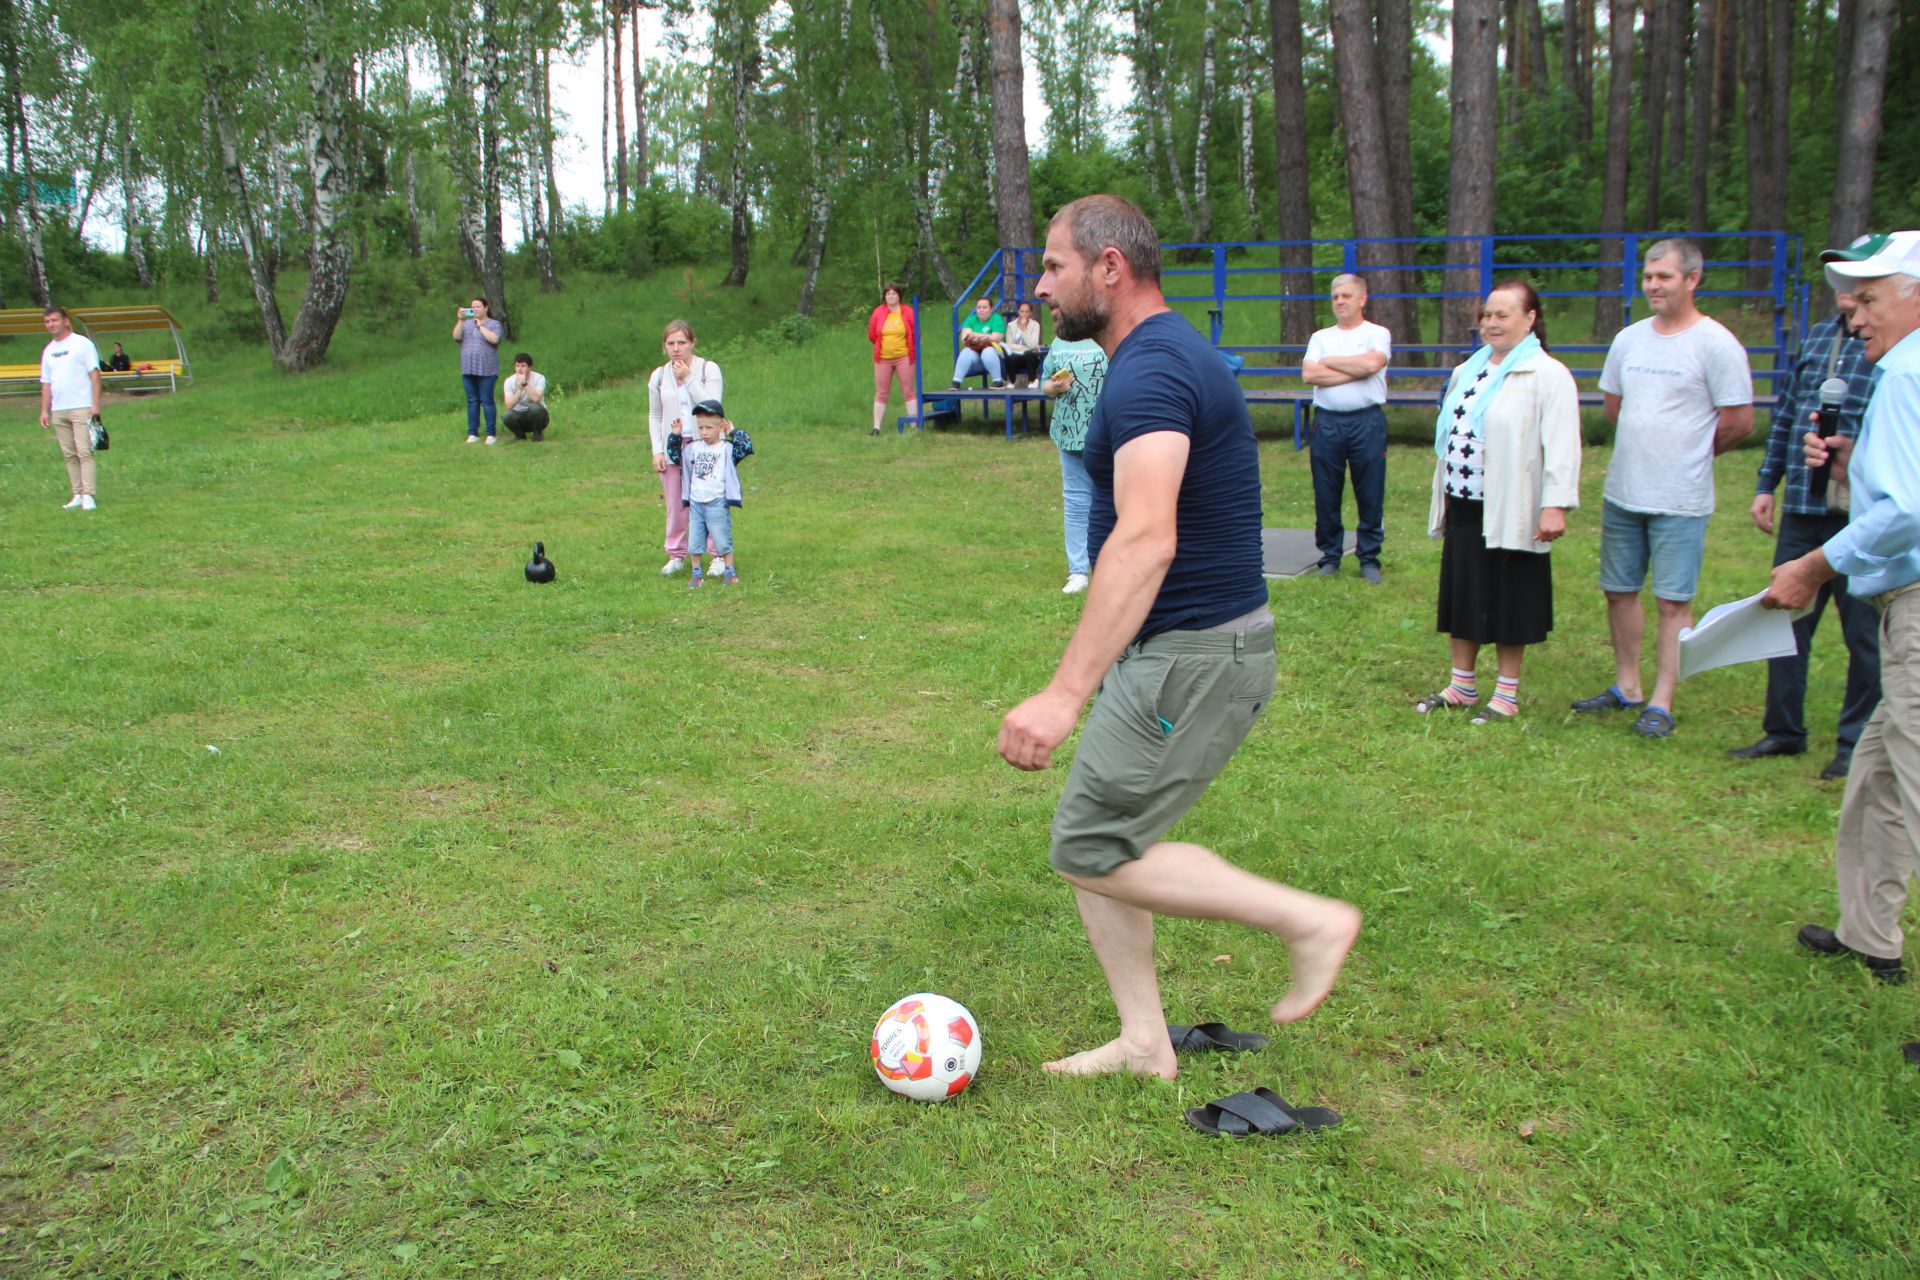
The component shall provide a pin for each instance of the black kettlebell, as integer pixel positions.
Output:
(540, 569)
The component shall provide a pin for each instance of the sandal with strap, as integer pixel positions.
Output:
(1261, 1113)
(1215, 1037)
(1490, 715)
(1654, 722)
(1439, 701)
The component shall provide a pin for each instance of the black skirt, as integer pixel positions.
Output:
(1491, 597)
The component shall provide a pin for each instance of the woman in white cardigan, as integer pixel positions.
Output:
(1508, 471)
(672, 391)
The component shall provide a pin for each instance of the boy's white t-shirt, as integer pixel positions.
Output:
(705, 466)
(1349, 397)
(67, 366)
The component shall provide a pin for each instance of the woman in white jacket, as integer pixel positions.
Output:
(672, 390)
(1508, 471)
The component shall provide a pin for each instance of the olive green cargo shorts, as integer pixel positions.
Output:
(1169, 716)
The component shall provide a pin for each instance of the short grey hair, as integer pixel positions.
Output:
(1097, 223)
(1348, 277)
(1691, 259)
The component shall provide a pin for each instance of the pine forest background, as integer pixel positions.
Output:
(287, 160)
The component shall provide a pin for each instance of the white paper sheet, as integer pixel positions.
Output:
(1737, 632)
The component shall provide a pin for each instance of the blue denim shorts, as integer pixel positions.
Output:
(1675, 545)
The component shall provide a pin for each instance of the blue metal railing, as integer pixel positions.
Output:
(1492, 258)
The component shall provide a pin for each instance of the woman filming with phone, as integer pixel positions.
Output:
(479, 337)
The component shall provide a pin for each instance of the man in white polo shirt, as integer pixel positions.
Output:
(70, 400)
(1346, 367)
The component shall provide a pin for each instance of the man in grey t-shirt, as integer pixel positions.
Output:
(1679, 391)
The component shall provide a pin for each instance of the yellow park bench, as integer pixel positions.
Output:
(95, 322)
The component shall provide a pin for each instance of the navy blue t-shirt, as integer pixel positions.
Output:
(1165, 377)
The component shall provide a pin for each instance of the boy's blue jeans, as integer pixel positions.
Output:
(709, 520)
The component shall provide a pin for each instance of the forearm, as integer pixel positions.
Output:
(96, 391)
(1736, 424)
(1315, 374)
(1125, 583)
(1357, 367)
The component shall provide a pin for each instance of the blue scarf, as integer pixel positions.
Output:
(1522, 355)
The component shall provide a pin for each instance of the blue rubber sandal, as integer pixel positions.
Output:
(1654, 722)
(1611, 700)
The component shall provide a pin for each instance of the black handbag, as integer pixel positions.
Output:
(97, 434)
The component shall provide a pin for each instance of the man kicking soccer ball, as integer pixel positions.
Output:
(1175, 633)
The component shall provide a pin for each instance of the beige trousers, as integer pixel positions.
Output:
(71, 429)
(1878, 848)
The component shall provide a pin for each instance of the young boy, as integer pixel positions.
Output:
(712, 487)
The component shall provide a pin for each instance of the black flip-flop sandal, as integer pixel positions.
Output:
(1261, 1113)
(1215, 1037)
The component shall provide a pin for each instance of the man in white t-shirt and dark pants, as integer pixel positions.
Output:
(1679, 391)
(70, 400)
(1346, 367)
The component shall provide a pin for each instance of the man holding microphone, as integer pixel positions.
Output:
(1877, 849)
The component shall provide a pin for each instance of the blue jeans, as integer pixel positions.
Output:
(1358, 442)
(971, 362)
(1076, 499)
(479, 392)
(709, 520)
(1859, 627)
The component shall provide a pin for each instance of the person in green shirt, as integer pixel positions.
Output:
(981, 345)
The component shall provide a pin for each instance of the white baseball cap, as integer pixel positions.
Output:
(1871, 257)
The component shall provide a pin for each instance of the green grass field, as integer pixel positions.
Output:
(366, 911)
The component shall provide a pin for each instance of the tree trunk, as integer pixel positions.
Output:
(415, 249)
(209, 256)
(607, 56)
(1654, 98)
(130, 214)
(1570, 47)
(93, 183)
(1203, 128)
(1394, 53)
(1474, 97)
(329, 259)
(642, 162)
(1536, 47)
(1615, 170)
(743, 70)
(546, 147)
(536, 223)
(1680, 27)
(619, 105)
(1754, 65)
(1704, 37)
(1249, 93)
(1726, 74)
(493, 249)
(27, 213)
(1779, 97)
(259, 270)
(1843, 28)
(1147, 57)
(1369, 187)
(1294, 209)
(1866, 80)
(463, 158)
(922, 208)
(1013, 201)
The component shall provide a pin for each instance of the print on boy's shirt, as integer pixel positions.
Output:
(705, 465)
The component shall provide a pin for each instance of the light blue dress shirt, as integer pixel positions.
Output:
(1879, 549)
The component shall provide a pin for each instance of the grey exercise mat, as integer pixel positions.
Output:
(1288, 553)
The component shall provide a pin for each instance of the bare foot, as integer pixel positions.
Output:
(1115, 1056)
(1316, 961)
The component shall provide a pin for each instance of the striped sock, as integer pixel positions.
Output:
(1506, 697)
(1462, 691)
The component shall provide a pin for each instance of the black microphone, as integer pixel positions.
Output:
(1833, 395)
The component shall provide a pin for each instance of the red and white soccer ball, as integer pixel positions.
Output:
(926, 1047)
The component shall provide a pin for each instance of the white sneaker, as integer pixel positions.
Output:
(672, 567)
(86, 502)
(1076, 583)
(473, 439)
(493, 440)
(74, 505)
